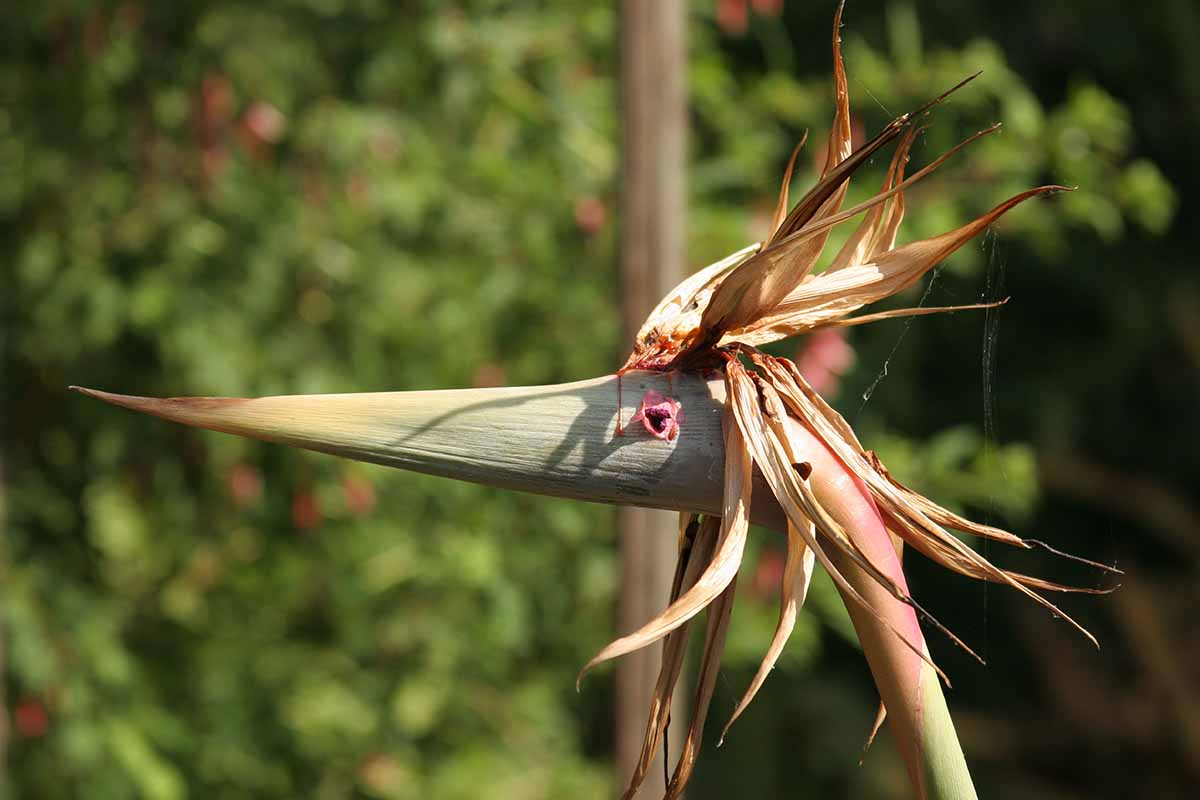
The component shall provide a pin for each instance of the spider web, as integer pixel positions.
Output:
(908, 322)
(993, 289)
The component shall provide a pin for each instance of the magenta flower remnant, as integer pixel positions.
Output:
(660, 415)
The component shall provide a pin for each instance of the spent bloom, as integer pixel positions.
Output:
(775, 421)
(842, 507)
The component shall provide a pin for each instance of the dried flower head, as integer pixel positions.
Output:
(775, 421)
(843, 508)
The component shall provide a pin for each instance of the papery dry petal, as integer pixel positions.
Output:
(674, 324)
(797, 575)
(821, 202)
(920, 311)
(918, 510)
(896, 588)
(710, 665)
(908, 511)
(877, 232)
(770, 454)
(779, 438)
(830, 296)
(758, 285)
(837, 433)
(781, 207)
(750, 305)
(695, 553)
(952, 553)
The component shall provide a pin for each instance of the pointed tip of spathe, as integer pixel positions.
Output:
(123, 400)
(175, 409)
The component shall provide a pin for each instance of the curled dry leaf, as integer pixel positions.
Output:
(797, 575)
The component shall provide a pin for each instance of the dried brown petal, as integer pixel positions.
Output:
(710, 665)
(781, 207)
(797, 575)
(877, 232)
(771, 455)
(921, 311)
(762, 292)
(695, 554)
(911, 515)
(675, 323)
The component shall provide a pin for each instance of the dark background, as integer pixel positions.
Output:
(349, 195)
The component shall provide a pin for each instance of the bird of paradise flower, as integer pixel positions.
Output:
(719, 317)
(842, 507)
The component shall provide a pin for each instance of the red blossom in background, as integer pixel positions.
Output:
(264, 122)
(768, 8)
(768, 572)
(306, 510)
(262, 125)
(590, 214)
(733, 15)
(245, 484)
(823, 358)
(359, 494)
(30, 718)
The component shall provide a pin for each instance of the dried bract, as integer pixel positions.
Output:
(717, 318)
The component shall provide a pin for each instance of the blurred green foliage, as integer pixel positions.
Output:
(341, 195)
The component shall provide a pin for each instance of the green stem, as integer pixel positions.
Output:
(911, 691)
(946, 772)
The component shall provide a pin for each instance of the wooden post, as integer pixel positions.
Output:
(5, 789)
(652, 254)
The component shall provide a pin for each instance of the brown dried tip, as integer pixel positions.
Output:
(176, 409)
